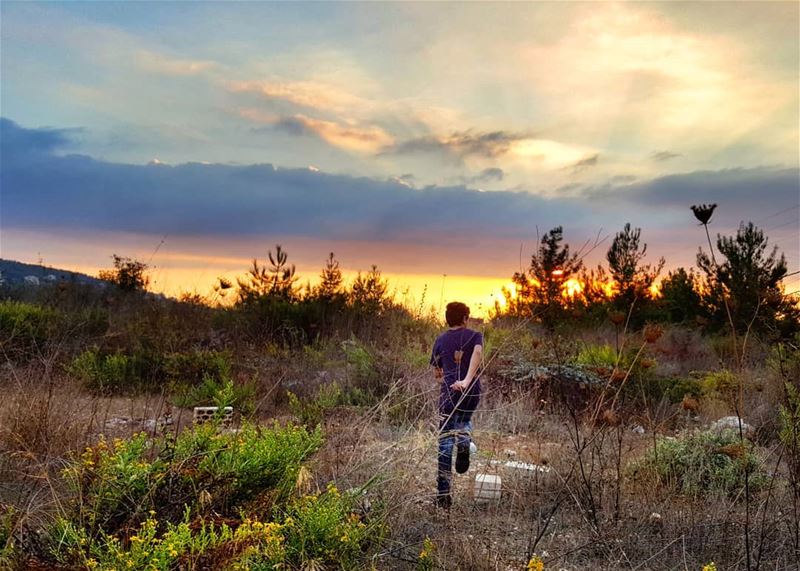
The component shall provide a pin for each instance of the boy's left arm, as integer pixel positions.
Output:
(435, 363)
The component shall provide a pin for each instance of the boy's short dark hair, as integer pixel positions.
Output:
(455, 313)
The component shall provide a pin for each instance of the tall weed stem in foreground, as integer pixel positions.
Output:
(703, 213)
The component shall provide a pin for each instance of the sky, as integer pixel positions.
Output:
(434, 140)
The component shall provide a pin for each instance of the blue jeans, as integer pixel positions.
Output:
(454, 428)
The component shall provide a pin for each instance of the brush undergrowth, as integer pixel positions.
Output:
(701, 462)
(206, 500)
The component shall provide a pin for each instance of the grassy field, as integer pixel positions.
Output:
(330, 460)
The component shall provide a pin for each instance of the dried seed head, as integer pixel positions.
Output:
(616, 317)
(653, 333)
(610, 417)
(703, 212)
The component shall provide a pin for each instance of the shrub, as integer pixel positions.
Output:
(324, 528)
(8, 522)
(113, 523)
(142, 370)
(784, 360)
(221, 393)
(719, 384)
(676, 389)
(111, 481)
(194, 367)
(361, 363)
(320, 528)
(789, 416)
(117, 483)
(115, 373)
(157, 546)
(598, 356)
(25, 327)
(697, 463)
(102, 372)
(310, 411)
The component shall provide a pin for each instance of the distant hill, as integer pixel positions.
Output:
(13, 273)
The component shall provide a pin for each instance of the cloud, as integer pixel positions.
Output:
(16, 140)
(45, 190)
(740, 192)
(492, 174)
(80, 192)
(309, 94)
(462, 144)
(364, 139)
(585, 163)
(661, 156)
(154, 62)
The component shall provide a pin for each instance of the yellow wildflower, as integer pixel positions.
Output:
(710, 567)
(535, 564)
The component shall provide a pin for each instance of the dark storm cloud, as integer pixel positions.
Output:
(736, 189)
(44, 190)
(461, 144)
(43, 140)
(742, 194)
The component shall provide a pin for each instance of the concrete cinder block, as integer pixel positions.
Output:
(205, 413)
(488, 487)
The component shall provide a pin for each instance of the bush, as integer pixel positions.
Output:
(676, 389)
(141, 370)
(324, 528)
(321, 528)
(116, 373)
(719, 384)
(25, 327)
(221, 393)
(361, 363)
(119, 482)
(8, 521)
(194, 367)
(698, 463)
(142, 504)
(311, 411)
(789, 416)
(599, 356)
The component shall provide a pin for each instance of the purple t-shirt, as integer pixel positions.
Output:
(452, 352)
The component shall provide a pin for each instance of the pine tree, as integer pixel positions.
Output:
(331, 280)
(276, 280)
(750, 276)
(369, 291)
(680, 296)
(631, 278)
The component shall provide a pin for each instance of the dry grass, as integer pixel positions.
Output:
(584, 513)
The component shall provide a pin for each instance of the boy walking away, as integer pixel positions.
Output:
(457, 357)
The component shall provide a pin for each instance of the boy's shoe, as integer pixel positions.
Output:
(444, 501)
(462, 457)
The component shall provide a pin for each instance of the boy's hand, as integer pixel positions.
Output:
(461, 385)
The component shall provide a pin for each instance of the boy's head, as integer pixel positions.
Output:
(456, 314)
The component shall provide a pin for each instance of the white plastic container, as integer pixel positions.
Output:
(487, 487)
